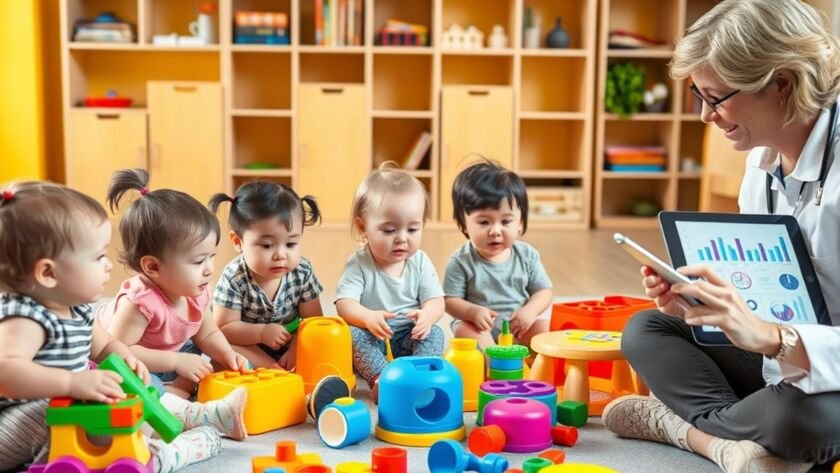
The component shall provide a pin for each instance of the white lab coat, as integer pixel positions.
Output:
(821, 228)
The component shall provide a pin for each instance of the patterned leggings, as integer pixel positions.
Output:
(369, 352)
(24, 434)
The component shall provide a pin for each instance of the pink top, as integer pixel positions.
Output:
(167, 330)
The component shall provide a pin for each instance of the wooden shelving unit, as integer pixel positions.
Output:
(678, 129)
(552, 106)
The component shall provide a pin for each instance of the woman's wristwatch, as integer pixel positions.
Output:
(789, 337)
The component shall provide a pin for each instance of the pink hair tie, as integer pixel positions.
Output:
(8, 194)
(233, 200)
(144, 191)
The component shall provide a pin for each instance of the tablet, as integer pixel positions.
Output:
(764, 256)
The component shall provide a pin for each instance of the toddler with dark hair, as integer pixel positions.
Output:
(494, 277)
(266, 289)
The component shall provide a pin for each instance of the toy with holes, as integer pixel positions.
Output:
(265, 387)
(324, 348)
(507, 362)
(540, 391)
(468, 360)
(526, 423)
(383, 460)
(344, 422)
(449, 456)
(285, 458)
(72, 422)
(421, 400)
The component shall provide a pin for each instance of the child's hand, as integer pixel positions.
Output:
(377, 324)
(287, 361)
(235, 361)
(96, 385)
(193, 367)
(275, 336)
(139, 368)
(422, 324)
(484, 318)
(520, 322)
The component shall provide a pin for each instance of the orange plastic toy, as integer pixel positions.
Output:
(610, 314)
(285, 457)
(324, 348)
(266, 387)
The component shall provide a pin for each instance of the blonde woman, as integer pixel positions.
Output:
(767, 72)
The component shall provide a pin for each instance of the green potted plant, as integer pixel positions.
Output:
(625, 88)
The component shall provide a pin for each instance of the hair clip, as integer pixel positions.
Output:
(233, 200)
(144, 191)
(8, 194)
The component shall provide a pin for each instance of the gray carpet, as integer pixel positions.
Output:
(596, 445)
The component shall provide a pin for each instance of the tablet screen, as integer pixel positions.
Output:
(758, 259)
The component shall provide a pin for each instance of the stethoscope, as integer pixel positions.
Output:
(832, 131)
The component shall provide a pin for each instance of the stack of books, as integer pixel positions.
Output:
(106, 28)
(636, 158)
(621, 39)
(252, 27)
(339, 22)
(400, 33)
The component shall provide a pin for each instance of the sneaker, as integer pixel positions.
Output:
(644, 418)
(746, 456)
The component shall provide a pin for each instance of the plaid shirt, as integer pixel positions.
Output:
(237, 290)
(67, 341)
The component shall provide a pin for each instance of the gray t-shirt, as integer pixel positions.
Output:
(503, 287)
(362, 281)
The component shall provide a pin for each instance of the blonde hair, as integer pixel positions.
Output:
(745, 42)
(388, 180)
(40, 220)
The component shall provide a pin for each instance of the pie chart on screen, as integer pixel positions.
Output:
(789, 282)
(782, 312)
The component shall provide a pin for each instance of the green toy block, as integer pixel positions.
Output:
(165, 424)
(507, 375)
(513, 352)
(535, 464)
(572, 413)
(124, 417)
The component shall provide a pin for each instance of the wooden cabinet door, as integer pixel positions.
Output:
(101, 142)
(475, 120)
(186, 137)
(334, 139)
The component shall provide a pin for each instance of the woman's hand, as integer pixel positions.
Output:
(658, 289)
(724, 308)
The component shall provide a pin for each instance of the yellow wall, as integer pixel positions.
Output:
(21, 100)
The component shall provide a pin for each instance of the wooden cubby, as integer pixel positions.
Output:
(677, 128)
(558, 129)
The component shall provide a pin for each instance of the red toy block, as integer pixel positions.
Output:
(126, 416)
(554, 456)
(61, 402)
(514, 470)
(486, 439)
(389, 460)
(562, 435)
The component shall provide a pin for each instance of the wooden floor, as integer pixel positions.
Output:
(579, 263)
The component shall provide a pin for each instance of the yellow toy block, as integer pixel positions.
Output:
(71, 440)
(324, 348)
(275, 397)
(353, 467)
(286, 457)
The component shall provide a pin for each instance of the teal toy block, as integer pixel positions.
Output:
(572, 413)
(124, 417)
(165, 424)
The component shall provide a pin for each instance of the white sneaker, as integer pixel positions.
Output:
(645, 418)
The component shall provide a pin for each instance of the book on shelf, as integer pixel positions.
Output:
(418, 150)
(338, 22)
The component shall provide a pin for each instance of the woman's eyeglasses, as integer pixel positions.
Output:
(711, 103)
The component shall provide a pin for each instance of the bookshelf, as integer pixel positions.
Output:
(401, 87)
(678, 129)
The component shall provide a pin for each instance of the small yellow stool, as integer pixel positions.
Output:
(578, 348)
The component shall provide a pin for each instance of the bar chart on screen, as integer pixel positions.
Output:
(734, 250)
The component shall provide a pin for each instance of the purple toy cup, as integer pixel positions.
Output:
(525, 422)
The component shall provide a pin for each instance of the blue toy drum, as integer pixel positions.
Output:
(344, 422)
